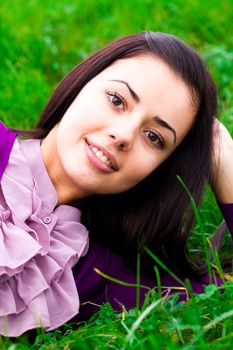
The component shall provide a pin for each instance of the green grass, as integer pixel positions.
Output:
(40, 41)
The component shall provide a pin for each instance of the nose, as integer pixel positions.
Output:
(120, 144)
(122, 137)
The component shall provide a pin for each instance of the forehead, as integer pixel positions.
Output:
(160, 90)
(147, 71)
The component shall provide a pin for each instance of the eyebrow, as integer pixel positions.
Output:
(135, 97)
(164, 124)
(132, 92)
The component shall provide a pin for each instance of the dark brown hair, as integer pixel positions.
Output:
(157, 211)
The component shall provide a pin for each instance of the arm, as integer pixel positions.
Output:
(223, 164)
(223, 172)
(95, 290)
(227, 210)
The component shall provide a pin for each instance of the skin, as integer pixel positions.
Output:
(222, 164)
(118, 112)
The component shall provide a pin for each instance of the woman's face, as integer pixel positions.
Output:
(123, 124)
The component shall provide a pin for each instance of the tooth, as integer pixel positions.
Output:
(104, 158)
(99, 154)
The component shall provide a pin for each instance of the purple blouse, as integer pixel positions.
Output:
(227, 211)
(7, 139)
(93, 289)
(39, 245)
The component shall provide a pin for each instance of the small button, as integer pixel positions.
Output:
(47, 220)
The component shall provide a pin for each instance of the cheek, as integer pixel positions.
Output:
(73, 126)
(82, 120)
(142, 166)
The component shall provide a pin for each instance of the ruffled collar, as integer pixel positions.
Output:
(46, 191)
(45, 188)
(39, 245)
(26, 175)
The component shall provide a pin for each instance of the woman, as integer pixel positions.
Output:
(111, 141)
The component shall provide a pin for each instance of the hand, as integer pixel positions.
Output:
(222, 166)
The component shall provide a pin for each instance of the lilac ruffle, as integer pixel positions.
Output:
(37, 287)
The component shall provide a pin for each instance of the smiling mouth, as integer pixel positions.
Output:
(101, 156)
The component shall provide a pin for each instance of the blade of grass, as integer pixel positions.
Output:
(138, 283)
(216, 259)
(161, 264)
(158, 280)
(112, 279)
(199, 221)
(130, 335)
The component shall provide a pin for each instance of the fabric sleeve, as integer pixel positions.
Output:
(7, 138)
(94, 290)
(227, 211)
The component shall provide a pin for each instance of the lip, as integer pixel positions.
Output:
(107, 153)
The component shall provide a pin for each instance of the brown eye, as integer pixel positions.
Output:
(155, 138)
(116, 100)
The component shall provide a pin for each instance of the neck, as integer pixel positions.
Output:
(66, 191)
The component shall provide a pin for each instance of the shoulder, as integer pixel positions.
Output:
(7, 138)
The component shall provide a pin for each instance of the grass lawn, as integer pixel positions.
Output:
(40, 41)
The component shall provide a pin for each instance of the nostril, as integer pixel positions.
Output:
(118, 143)
(121, 146)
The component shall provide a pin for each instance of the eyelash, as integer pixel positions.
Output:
(112, 94)
(159, 139)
